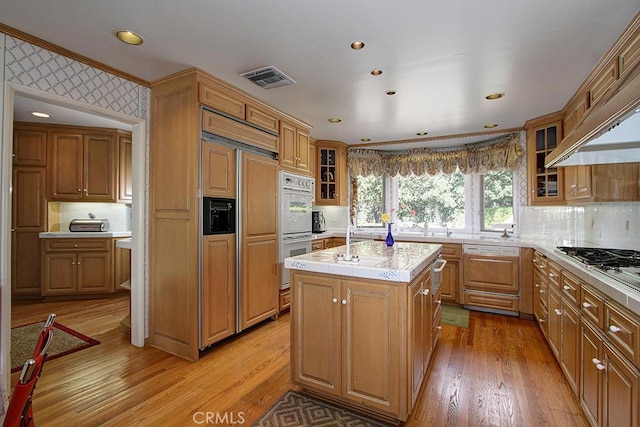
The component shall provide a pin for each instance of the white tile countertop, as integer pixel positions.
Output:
(619, 292)
(124, 243)
(398, 263)
(83, 234)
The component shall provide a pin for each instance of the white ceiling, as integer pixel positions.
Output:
(442, 57)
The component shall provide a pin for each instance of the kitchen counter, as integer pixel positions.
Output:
(83, 234)
(399, 263)
(124, 243)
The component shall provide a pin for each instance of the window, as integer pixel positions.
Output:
(497, 210)
(370, 201)
(436, 200)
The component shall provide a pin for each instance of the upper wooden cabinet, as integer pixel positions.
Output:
(218, 170)
(295, 153)
(29, 146)
(331, 173)
(546, 185)
(615, 182)
(82, 166)
(125, 176)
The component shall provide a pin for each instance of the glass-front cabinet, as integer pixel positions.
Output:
(328, 173)
(546, 185)
(331, 173)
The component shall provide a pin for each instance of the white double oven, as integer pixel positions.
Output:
(296, 196)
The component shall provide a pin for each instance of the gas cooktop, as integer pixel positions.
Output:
(620, 264)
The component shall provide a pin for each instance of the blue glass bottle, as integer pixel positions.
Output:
(389, 240)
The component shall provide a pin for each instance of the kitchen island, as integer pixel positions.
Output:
(362, 333)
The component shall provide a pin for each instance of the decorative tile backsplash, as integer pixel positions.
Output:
(604, 224)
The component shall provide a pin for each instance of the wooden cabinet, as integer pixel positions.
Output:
(295, 153)
(331, 173)
(218, 288)
(285, 299)
(492, 281)
(29, 145)
(602, 183)
(546, 186)
(260, 259)
(317, 245)
(420, 331)
(77, 266)
(342, 332)
(82, 167)
(452, 273)
(125, 165)
(218, 170)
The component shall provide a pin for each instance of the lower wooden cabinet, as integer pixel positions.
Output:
(285, 299)
(452, 273)
(26, 263)
(77, 267)
(365, 342)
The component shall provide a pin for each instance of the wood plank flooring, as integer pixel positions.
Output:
(498, 372)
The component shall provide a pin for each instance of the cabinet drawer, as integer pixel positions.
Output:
(317, 245)
(222, 99)
(59, 245)
(592, 305)
(623, 329)
(553, 273)
(285, 299)
(570, 288)
(495, 301)
(451, 250)
(540, 262)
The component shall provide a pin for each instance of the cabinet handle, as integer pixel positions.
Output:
(425, 292)
(541, 267)
(344, 302)
(566, 287)
(335, 300)
(558, 312)
(614, 328)
(586, 305)
(552, 274)
(595, 361)
(600, 367)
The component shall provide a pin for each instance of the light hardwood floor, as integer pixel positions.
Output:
(498, 372)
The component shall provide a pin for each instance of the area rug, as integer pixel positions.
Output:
(455, 316)
(65, 341)
(296, 409)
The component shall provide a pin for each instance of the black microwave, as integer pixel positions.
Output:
(218, 216)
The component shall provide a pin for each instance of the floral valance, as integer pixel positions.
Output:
(498, 154)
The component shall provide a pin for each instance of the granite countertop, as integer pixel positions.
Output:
(83, 234)
(401, 262)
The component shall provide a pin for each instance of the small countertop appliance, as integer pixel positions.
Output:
(318, 223)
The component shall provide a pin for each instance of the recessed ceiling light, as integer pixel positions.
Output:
(129, 37)
(391, 92)
(494, 96)
(491, 125)
(365, 139)
(335, 120)
(421, 133)
(40, 114)
(376, 72)
(357, 45)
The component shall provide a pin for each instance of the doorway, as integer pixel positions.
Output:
(138, 128)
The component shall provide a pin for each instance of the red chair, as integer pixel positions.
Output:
(20, 412)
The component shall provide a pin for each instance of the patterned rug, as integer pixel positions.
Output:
(455, 316)
(65, 341)
(297, 410)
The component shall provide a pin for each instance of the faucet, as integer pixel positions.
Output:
(347, 256)
(447, 232)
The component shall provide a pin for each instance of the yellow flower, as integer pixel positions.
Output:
(385, 217)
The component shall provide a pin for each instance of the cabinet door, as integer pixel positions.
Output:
(417, 336)
(60, 274)
(302, 151)
(29, 198)
(94, 272)
(316, 342)
(491, 273)
(218, 288)
(287, 145)
(577, 182)
(450, 280)
(343, 178)
(621, 402)
(29, 147)
(327, 182)
(65, 166)
(591, 378)
(554, 328)
(125, 166)
(99, 168)
(25, 263)
(371, 343)
(218, 170)
(570, 344)
(546, 185)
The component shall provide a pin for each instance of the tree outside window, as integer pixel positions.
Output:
(497, 213)
(370, 203)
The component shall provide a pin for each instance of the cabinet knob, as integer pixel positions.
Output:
(335, 300)
(425, 292)
(552, 274)
(79, 190)
(438, 302)
(595, 361)
(542, 291)
(558, 312)
(438, 327)
(586, 305)
(537, 285)
(344, 302)
(566, 287)
(600, 367)
(542, 267)
(78, 263)
(541, 320)
(614, 328)
(75, 246)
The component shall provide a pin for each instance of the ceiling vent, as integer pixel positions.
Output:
(268, 77)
